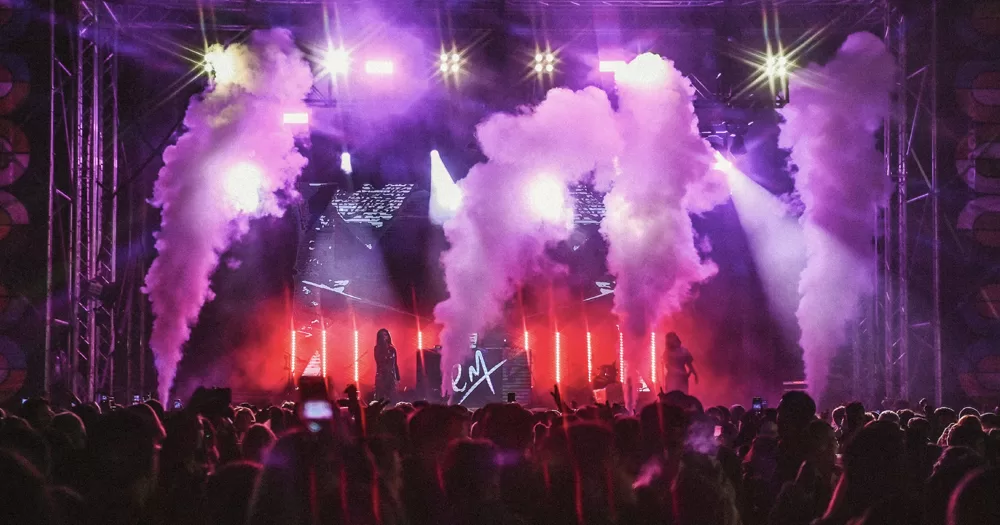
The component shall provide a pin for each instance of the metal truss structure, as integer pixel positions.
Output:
(105, 325)
(911, 332)
(88, 328)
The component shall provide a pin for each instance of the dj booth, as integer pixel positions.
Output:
(488, 375)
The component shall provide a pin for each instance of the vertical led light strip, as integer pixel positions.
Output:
(652, 359)
(292, 362)
(420, 340)
(356, 358)
(621, 357)
(558, 358)
(527, 351)
(590, 360)
(322, 343)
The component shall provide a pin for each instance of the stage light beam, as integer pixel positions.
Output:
(446, 196)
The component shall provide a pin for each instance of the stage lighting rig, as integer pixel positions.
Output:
(219, 65)
(337, 61)
(450, 63)
(544, 62)
(776, 70)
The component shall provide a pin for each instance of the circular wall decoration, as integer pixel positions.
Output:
(981, 218)
(13, 369)
(15, 152)
(15, 82)
(979, 371)
(12, 213)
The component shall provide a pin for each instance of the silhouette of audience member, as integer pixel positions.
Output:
(229, 491)
(257, 443)
(976, 500)
(121, 467)
(23, 496)
(873, 473)
(37, 411)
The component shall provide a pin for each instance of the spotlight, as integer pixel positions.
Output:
(610, 66)
(379, 67)
(544, 62)
(782, 66)
(345, 163)
(221, 65)
(777, 66)
(295, 118)
(337, 61)
(450, 63)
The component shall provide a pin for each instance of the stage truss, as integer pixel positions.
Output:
(107, 323)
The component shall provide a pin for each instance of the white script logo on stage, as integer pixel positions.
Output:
(478, 373)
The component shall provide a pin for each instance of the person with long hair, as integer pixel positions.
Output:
(386, 367)
(678, 364)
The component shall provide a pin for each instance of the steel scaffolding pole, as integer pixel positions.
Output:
(50, 230)
(902, 241)
(935, 217)
(906, 319)
(92, 153)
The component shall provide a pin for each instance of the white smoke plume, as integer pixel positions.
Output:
(515, 204)
(665, 173)
(235, 161)
(830, 128)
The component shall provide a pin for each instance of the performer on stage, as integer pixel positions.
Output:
(386, 368)
(679, 365)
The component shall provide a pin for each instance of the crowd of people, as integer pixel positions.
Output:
(672, 462)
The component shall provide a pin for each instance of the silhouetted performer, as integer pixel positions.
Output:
(386, 368)
(679, 365)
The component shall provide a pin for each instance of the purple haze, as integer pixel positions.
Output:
(235, 161)
(830, 128)
(515, 204)
(665, 173)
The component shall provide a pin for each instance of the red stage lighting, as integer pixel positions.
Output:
(558, 356)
